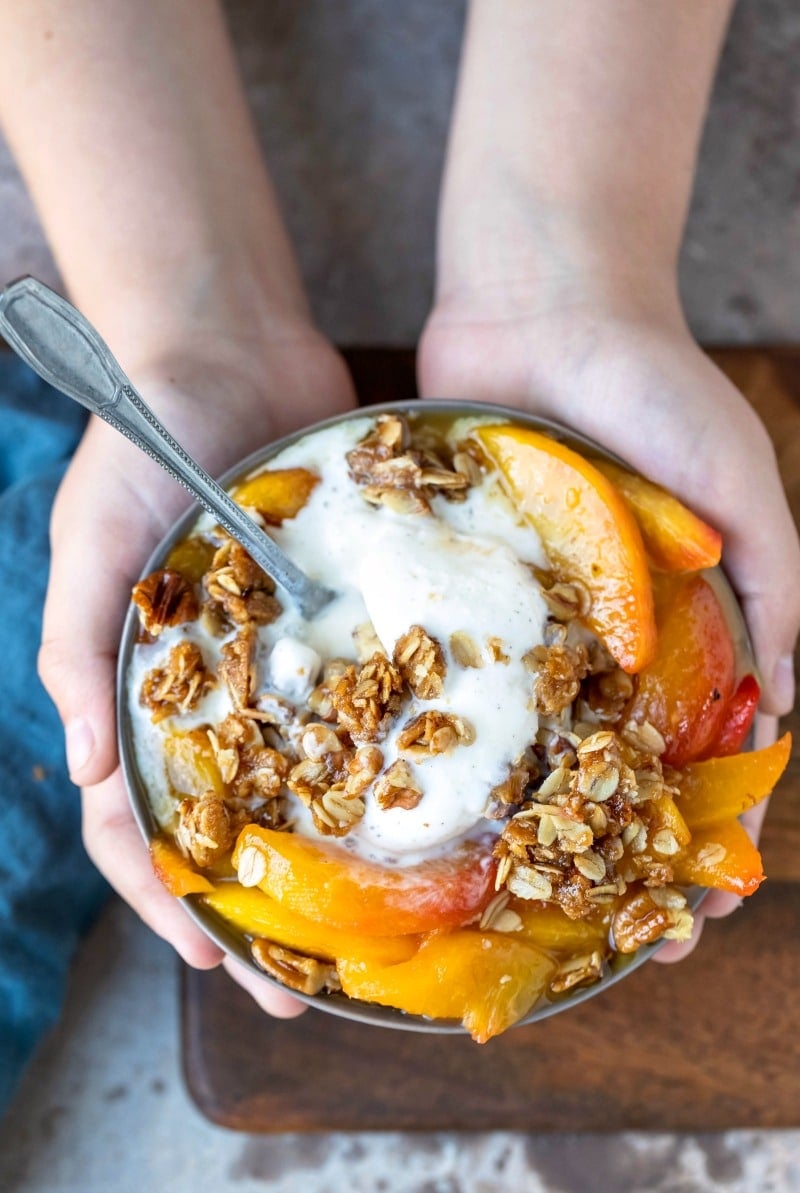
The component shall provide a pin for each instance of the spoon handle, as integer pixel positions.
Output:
(66, 351)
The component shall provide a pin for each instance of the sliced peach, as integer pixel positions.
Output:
(588, 533)
(192, 768)
(278, 493)
(549, 928)
(326, 883)
(177, 873)
(720, 789)
(191, 557)
(739, 717)
(684, 691)
(663, 814)
(486, 979)
(722, 857)
(255, 913)
(675, 538)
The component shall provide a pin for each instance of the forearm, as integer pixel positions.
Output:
(129, 123)
(574, 138)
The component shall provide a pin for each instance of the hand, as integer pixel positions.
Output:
(114, 505)
(629, 375)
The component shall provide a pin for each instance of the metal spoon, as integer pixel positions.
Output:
(66, 351)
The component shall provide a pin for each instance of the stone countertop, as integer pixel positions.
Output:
(103, 1110)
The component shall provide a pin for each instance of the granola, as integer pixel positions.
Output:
(178, 686)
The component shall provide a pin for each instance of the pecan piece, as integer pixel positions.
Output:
(307, 975)
(559, 670)
(164, 598)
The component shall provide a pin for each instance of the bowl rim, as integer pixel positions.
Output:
(227, 938)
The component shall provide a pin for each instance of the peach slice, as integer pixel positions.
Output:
(324, 882)
(191, 557)
(486, 979)
(739, 716)
(192, 768)
(549, 928)
(588, 533)
(722, 857)
(684, 691)
(177, 873)
(253, 912)
(278, 493)
(720, 789)
(675, 538)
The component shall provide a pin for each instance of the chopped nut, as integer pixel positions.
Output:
(397, 787)
(420, 660)
(432, 733)
(237, 666)
(307, 975)
(399, 501)
(639, 921)
(366, 699)
(465, 650)
(164, 598)
(179, 686)
(319, 740)
(508, 794)
(681, 925)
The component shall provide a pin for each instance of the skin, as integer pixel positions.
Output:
(555, 290)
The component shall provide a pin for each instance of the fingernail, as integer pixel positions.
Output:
(783, 682)
(80, 745)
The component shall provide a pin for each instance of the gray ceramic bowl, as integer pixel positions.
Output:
(226, 937)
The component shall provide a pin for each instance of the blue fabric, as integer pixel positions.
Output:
(49, 890)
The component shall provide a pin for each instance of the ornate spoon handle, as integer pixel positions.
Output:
(66, 351)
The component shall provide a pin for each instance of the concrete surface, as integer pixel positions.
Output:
(352, 102)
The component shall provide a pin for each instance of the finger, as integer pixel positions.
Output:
(96, 551)
(275, 1002)
(115, 845)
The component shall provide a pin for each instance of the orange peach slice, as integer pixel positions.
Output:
(278, 493)
(684, 691)
(191, 557)
(326, 883)
(675, 538)
(176, 872)
(549, 928)
(720, 789)
(192, 768)
(722, 857)
(485, 979)
(588, 533)
(253, 912)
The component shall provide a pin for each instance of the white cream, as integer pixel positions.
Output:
(460, 569)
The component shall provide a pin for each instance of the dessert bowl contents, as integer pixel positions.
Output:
(493, 765)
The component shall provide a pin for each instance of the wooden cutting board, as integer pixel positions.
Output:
(709, 1044)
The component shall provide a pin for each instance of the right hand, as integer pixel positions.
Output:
(112, 508)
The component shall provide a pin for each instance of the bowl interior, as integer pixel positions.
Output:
(226, 937)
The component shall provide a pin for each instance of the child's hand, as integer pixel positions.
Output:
(113, 507)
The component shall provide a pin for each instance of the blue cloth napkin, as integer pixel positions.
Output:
(49, 890)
